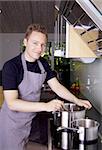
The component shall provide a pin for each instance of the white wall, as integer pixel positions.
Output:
(9, 46)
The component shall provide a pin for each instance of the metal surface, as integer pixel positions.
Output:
(67, 116)
(91, 10)
(98, 4)
(69, 113)
(89, 145)
(86, 20)
(49, 135)
(88, 129)
(68, 129)
(73, 112)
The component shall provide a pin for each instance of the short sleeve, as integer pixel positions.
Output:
(9, 76)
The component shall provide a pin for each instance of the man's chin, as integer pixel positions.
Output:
(36, 57)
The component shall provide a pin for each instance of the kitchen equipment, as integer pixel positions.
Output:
(84, 130)
(88, 129)
(67, 139)
(88, 146)
(75, 143)
(64, 118)
(69, 113)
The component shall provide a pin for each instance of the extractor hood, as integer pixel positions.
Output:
(85, 17)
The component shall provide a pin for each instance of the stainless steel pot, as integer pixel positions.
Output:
(88, 146)
(88, 129)
(64, 118)
(68, 114)
(71, 113)
(85, 129)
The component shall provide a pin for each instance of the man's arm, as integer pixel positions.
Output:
(64, 93)
(15, 104)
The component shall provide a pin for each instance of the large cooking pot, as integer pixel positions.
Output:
(64, 118)
(92, 146)
(88, 129)
(68, 114)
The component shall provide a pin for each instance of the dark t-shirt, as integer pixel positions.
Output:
(12, 73)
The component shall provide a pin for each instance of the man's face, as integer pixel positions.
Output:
(35, 45)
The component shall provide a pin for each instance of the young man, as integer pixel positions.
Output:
(22, 80)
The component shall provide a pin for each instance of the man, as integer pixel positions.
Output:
(23, 77)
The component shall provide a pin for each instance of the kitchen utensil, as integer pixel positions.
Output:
(64, 118)
(88, 129)
(69, 113)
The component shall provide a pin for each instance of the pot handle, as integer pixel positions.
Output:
(68, 129)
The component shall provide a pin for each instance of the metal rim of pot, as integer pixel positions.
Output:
(70, 112)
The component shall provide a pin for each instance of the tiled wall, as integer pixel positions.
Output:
(90, 78)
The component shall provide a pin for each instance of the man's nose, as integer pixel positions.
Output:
(40, 47)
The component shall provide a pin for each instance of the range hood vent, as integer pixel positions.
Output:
(92, 10)
(86, 19)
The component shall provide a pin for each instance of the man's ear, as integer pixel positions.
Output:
(25, 42)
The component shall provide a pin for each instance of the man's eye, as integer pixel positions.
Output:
(43, 45)
(35, 43)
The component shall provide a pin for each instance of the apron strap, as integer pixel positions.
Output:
(24, 62)
(41, 66)
(25, 65)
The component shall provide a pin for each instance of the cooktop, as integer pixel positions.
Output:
(75, 144)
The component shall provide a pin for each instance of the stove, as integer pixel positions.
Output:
(73, 139)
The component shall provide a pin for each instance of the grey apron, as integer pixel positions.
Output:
(15, 126)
